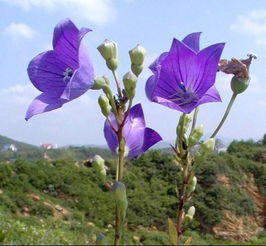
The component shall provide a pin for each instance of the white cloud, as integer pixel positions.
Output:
(98, 11)
(19, 30)
(253, 24)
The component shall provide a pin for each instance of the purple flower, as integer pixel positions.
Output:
(61, 74)
(184, 77)
(138, 137)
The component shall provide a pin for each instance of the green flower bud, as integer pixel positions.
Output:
(108, 49)
(120, 196)
(192, 186)
(190, 214)
(194, 138)
(112, 64)
(130, 81)
(101, 239)
(184, 122)
(104, 104)
(109, 52)
(136, 69)
(99, 83)
(207, 146)
(137, 55)
(98, 165)
(239, 85)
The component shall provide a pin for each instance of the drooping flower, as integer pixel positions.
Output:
(184, 77)
(61, 74)
(138, 137)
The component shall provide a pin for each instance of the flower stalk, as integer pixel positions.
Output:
(227, 111)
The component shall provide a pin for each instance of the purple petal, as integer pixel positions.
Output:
(110, 137)
(43, 103)
(192, 40)
(185, 108)
(151, 137)
(208, 59)
(83, 77)
(149, 87)
(46, 73)
(212, 95)
(134, 128)
(154, 66)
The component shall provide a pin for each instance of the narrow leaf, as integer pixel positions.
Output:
(172, 232)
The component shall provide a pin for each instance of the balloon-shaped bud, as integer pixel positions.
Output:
(183, 124)
(109, 52)
(137, 56)
(100, 83)
(98, 165)
(207, 146)
(101, 239)
(195, 136)
(239, 85)
(130, 81)
(105, 105)
(190, 214)
(192, 186)
(120, 196)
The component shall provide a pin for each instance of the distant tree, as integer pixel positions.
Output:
(264, 139)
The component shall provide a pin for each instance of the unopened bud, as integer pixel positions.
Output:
(120, 195)
(136, 69)
(99, 83)
(101, 239)
(239, 85)
(190, 214)
(183, 124)
(207, 146)
(192, 186)
(109, 52)
(130, 81)
(195, 136)
(104, 104)
(98, 165)
(137, 55)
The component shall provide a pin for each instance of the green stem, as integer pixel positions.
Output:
(119, 176)
(225, 114)
(117, 84)
(195, 116)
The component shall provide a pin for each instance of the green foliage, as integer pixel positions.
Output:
(152, 181)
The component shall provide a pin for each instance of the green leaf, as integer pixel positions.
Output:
(172, 232)
(188, 241)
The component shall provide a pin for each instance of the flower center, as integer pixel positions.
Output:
(183, 96)
(67, 74)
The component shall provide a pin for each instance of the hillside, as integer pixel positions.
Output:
(20, 145)
(64, 202)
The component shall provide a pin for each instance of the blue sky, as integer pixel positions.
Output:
(26, 28)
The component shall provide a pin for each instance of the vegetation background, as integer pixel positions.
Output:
(60, 200)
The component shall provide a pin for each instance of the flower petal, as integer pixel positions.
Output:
(82, 79)
(192, 40)
(208, 59)
(154, 66)
(151, 137)
(66, 42)
(133, 130)
(110, 137)
(149, 87)
(212, 95)
(43, 103)
(46, 73)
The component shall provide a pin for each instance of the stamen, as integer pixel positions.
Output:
(67, 74)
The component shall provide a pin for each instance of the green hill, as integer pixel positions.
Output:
(20, 145)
